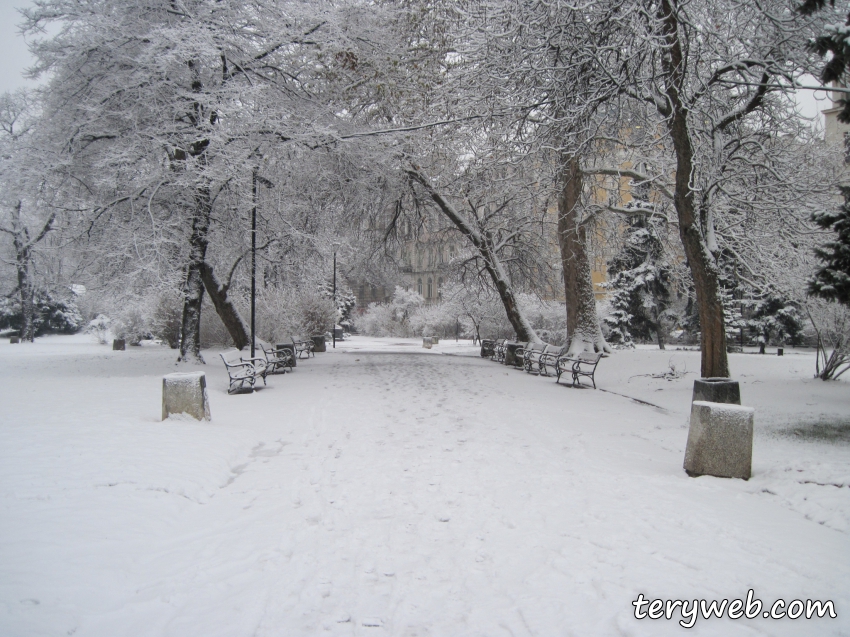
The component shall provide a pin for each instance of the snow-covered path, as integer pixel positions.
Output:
(382, 493)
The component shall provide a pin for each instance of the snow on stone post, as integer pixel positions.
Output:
(720, 440)
(717, 390)
(185, 393)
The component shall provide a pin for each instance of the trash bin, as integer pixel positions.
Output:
(511, 357)
(319, 343)
(291, 348)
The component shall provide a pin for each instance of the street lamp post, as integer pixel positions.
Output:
(256, 180)
(255, 186)
(333, 331)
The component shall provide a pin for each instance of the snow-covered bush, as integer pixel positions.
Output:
(346, 300)
(51, 314)
(293, 312)
(549, 318)
(777, 320)
(56, 315)
(166, 319)
(831, 324)
(640, 285)
(99, 327)
(394, 318)
(436, 319)
(133, 324)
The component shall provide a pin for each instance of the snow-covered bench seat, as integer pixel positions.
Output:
(499, 350)
(277, 358)
(303, 346)
(550, 357)
(582, 365)
(243, 372)
(530, 355)
(537, 356)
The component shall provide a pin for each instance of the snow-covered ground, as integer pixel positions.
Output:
(384, 489)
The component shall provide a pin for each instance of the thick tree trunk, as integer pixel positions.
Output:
(27, 299)
(225, 308)
(702, 264)
(23, 257)
(193, 289)
(659, 335)
(483, 243)
(583, 330)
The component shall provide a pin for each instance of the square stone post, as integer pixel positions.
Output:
(720, 440)
(185, 393)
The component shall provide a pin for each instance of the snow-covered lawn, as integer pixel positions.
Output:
(383, 489)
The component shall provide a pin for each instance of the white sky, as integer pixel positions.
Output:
(14, 58)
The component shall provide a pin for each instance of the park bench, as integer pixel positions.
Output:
(277, 358)
(583, 364)
(303, 346)
(533, 357)
(550, 357)
(499, 350)
(243, 372)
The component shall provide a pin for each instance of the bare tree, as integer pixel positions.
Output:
(25, 227)
(160, 106)
(717, 75)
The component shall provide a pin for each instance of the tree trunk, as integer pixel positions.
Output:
(483, 243)
(583, 330)
(225, 308)
(27, 299)
(23, 248)
(193, 289)
(702, 264)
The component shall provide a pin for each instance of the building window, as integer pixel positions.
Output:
(419, 287)
(440, 288)
(430, 289)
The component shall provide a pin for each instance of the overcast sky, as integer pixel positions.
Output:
(14, 58)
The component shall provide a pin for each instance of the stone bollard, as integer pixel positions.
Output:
(319, 344)
(717, 390)
(720, 441)
(118, 345)
(14, 340)
(427, 342)
(185, 393)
